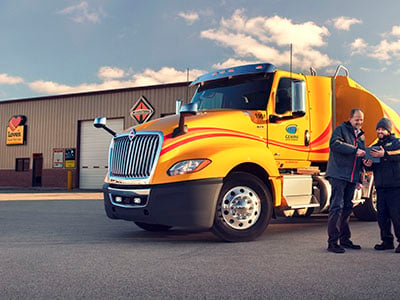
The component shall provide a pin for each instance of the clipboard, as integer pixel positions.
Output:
(369, 157)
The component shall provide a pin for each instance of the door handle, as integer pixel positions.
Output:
(306, 138)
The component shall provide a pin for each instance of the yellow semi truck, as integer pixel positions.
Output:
(252, 144)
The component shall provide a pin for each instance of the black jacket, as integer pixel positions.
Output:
(387, 171)
(343, 163)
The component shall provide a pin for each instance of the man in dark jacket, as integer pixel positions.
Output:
(347, 147)
(387, 183)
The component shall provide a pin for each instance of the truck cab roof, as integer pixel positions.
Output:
(235, 71)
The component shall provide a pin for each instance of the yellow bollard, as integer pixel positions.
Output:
(69, 180)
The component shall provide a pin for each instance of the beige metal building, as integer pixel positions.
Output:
(46, 138)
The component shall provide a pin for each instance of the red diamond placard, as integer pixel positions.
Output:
(142, 110)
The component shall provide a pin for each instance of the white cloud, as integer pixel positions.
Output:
(231, 62)
(52, 88)
(386, 51)
(189, 17)
(344, 23)
(81, 13)
(245, 46)
(389, 48)
(148, 77)
(107, 73)
(7, 79)
(49, 87)
(365, 69)
(392, 99)
(384, 69)
(269, 38)
(395, 31)
(164, 75)
(358, 46)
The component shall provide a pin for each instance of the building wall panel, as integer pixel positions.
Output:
(52, 122)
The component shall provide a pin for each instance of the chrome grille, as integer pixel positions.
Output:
(134, 158)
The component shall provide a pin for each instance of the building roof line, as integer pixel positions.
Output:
(89, 93)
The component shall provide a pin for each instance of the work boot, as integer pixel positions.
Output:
(349, 244)
(335, 248)
(397, 249)
(384, 246)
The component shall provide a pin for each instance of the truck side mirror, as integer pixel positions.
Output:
(189, 109)
(101, 122)
(186, 110)
(178, 105)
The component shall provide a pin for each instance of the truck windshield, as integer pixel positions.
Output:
(250, 92)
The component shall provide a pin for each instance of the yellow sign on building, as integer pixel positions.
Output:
(16, 136)
(70, 164)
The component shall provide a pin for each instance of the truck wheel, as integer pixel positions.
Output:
(244, 208)
(153, 227)
(367, 211)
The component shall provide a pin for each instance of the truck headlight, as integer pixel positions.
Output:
(188, 166)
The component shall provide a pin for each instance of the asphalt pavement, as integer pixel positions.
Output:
(68, 249)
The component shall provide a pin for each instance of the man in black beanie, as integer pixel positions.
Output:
(386, 124)
(387, 183)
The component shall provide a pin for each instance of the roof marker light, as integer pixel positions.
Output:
(259, 67)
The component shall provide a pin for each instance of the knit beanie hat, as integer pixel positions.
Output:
(384, 123)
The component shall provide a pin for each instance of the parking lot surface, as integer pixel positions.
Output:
(69, 249)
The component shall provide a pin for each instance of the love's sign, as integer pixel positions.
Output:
(16, 130)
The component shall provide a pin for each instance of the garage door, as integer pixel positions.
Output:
(94, 145)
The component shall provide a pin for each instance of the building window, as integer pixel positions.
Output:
(22, 164)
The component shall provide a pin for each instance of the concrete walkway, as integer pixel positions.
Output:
(11, 194)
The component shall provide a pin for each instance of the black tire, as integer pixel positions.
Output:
(244, 208)
(367, 211)
(153, 227)
(324, 194)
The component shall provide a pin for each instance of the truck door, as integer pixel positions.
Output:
(288, 123)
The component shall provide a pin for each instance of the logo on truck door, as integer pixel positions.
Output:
(291, 135)
(291, 129)
(142, 110)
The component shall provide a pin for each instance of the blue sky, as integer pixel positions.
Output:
(57, 47)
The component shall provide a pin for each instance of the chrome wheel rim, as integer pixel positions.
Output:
(241, 207)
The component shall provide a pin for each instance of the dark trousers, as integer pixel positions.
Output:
(340, 210)
(389, 212)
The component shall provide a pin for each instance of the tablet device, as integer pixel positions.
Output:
(368, 154)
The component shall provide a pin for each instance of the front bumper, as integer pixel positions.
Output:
(183, 204)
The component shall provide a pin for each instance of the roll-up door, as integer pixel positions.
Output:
(94, 146)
